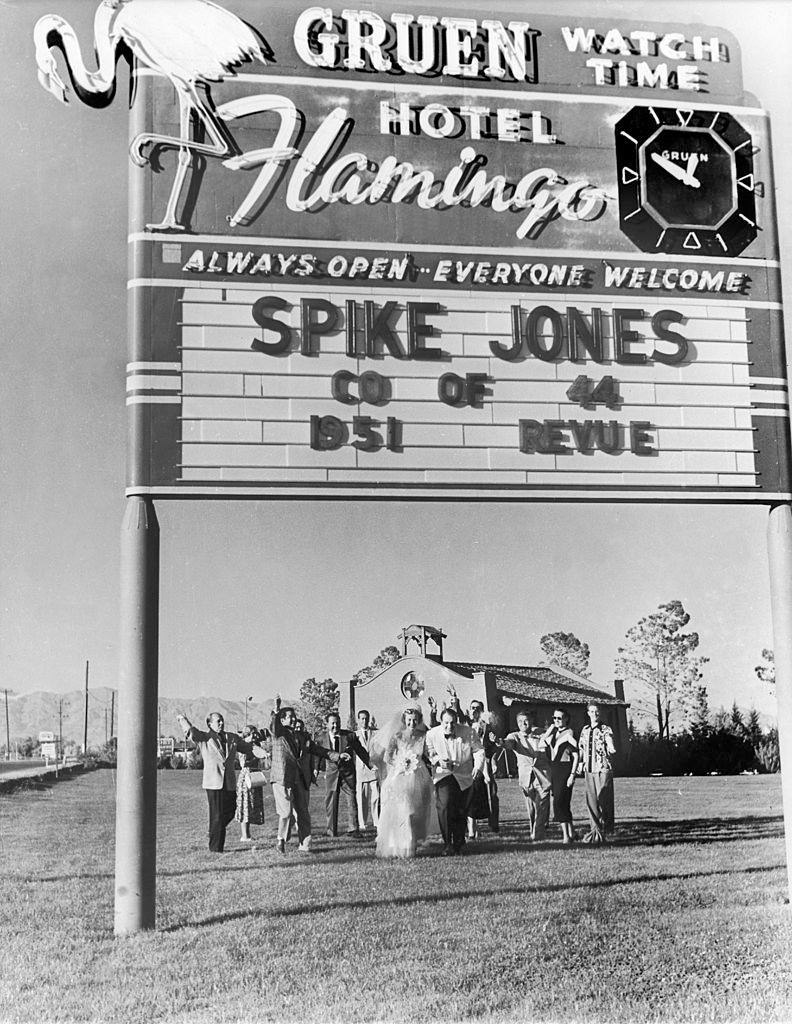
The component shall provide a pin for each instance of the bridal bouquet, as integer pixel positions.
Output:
(406, 763)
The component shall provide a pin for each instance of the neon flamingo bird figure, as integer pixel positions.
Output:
(190, 42)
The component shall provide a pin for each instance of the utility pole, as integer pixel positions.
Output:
(246, 709)
(85, 726)
(7, 731)
(112, 713)
(105, 726)
(59, 752)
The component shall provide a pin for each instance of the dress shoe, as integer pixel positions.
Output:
(281, 846)
(305, 845)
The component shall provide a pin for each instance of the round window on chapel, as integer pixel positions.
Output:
(412, 686)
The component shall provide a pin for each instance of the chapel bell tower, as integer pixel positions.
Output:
(422, 636)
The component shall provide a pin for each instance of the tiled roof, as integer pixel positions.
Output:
(537, 684)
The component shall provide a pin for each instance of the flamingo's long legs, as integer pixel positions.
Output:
(170, 221)
(220, 146)
(189, 99)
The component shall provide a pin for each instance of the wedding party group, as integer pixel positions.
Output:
(403, 774)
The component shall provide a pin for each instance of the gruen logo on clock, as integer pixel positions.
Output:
(686, 181)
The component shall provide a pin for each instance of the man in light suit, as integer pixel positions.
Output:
(219, 752)
(457, 756)
(533, 771)
(366, 778)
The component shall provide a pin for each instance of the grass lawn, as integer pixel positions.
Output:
(682, 918)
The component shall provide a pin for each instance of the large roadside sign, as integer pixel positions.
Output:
(430, 254)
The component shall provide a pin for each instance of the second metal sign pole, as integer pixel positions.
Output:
(779, 547)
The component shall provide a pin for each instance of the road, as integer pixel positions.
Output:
(18, 766)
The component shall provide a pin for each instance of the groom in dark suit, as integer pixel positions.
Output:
(340, 776)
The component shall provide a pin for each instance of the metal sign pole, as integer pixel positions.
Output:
(136, 797)
(779, 546)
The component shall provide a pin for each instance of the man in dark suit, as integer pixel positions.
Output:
(219, 750)
(340, 776)
(476, 720)
(291, 773)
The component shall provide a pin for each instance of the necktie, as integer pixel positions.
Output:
(335, 744)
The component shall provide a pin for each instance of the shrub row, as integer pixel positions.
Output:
(714, 751)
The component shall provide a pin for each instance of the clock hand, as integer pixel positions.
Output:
(692, 163)
(668, 165)
(680, 173)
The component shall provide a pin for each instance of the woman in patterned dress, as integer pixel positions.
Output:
(249, 802)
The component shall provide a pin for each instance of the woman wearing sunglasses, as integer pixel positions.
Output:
(562, 752)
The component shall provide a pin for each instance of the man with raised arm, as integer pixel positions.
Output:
(478, 720)
(533, 770)
(291, 775)
(219, 749)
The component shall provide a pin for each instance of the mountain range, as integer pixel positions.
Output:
(40, 711)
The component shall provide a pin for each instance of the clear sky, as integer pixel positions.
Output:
(257, 596)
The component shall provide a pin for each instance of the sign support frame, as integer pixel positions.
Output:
(135, 858)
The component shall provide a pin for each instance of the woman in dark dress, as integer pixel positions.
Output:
(562, 752)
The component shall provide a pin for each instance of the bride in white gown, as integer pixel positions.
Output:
(407, 792)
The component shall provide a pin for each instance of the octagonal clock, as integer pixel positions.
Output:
(686, 181)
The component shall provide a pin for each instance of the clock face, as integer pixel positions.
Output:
(686, 181)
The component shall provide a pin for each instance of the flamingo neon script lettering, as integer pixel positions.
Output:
(169, 36)
(354, 179)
